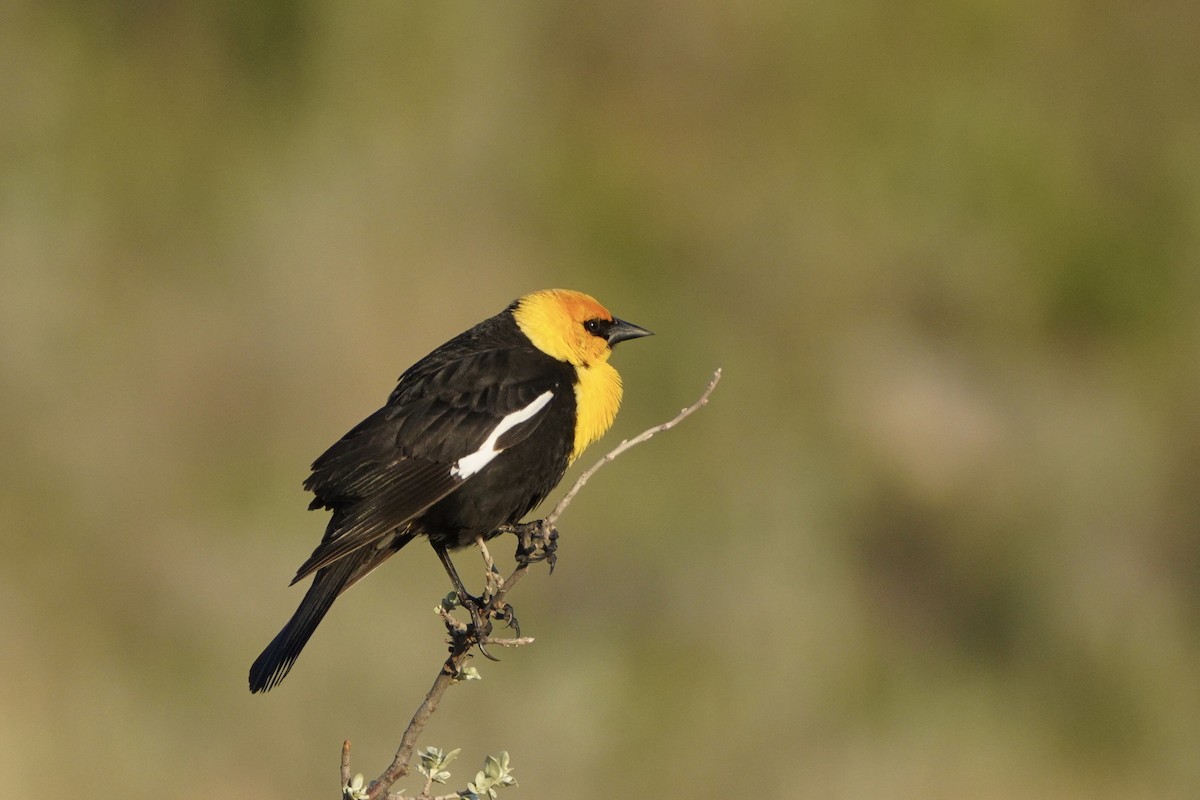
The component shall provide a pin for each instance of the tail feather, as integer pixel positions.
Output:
(277, 659)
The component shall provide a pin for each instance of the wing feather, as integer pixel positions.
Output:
(390, 496)
(401, 460)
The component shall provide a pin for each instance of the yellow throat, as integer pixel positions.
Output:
(553, 320)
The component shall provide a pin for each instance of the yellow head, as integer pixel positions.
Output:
(573, 327)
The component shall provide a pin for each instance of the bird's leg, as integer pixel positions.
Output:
(481, 625)
(443, 554)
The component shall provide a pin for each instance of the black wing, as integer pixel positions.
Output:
(404, 458)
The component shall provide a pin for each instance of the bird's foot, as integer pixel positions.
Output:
(505, 613)
(479, 629)
(482, 611)
(536, 541)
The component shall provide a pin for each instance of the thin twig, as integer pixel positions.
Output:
(508, 641)
(461, 642)
(493, 574)
(483, 550)
(553, 516)
(453, 625)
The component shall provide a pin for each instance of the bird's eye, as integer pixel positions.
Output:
(594, 327)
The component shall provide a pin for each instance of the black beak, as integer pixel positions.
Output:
(620, 330)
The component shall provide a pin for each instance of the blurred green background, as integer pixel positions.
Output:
(937, 535)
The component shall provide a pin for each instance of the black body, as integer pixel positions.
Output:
(392, 477)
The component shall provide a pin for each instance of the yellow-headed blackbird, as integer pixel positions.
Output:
(472, 438)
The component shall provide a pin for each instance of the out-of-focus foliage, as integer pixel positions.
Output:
(937, 535)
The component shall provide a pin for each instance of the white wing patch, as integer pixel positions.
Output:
(468, 465)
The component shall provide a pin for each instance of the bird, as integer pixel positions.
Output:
(472, 438)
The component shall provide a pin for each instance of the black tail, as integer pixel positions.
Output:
(275, 661)
(273, 665)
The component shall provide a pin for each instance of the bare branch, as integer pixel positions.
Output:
(546, 525)
(453, 625)
(408, 742)
(464, 638)
(508, 641)
(553, 516)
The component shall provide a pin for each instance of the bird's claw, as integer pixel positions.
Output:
(508, 616)
(482, 613)
(536, 541)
